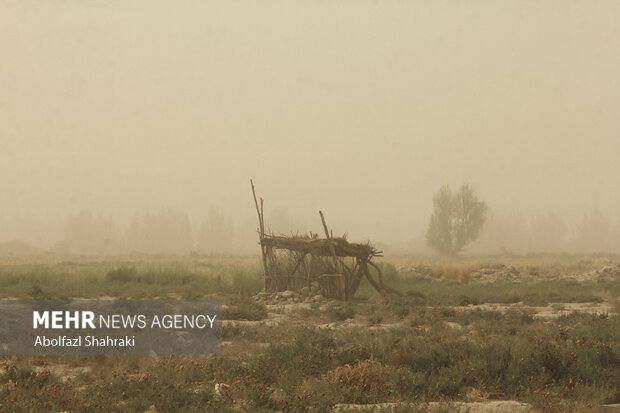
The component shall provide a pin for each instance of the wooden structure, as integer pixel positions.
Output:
(335, 264)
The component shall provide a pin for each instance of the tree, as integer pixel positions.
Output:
(457, 219)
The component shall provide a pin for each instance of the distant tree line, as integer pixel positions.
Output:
(548, 232)
(166, 231)
(460, 218)
(460, 222)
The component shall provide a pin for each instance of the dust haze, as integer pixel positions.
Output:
(137, 125)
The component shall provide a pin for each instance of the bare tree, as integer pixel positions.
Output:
(457, 219)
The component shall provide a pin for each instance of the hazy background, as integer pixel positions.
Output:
(136, 125)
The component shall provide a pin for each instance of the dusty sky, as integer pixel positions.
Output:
(360, 108)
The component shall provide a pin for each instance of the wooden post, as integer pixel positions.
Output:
(261, 234)
(331, 248)
(380, 276)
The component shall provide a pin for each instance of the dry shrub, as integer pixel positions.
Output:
(477, 395)
(451, 272)
(454, 272)
(368, 374)
(464, 276)
(445, 272)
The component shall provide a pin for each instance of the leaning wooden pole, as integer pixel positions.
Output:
(331, 248)
(383, 285)
(261, 233)
(364, 268)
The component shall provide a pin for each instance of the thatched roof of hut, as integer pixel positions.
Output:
(322, 246)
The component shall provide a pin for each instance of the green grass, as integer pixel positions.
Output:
(536, 292)
(137, 280)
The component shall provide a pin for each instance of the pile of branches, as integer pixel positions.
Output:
(323, 247)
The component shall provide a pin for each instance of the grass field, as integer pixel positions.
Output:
(549, 337)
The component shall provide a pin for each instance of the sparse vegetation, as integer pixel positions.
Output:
(245, 310)
(446, 340)
(338, 312)
(157, 278)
